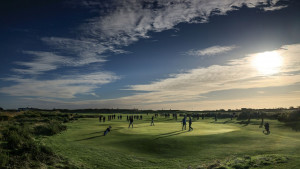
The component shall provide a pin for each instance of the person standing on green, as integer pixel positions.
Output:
(190, 124)
(184, 123)
(152, 121)
(130, 122)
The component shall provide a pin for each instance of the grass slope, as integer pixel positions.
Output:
(165, 145)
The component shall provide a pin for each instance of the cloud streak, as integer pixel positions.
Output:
(236, 74)
(214, 50)
(121, 23)
(65, 87)
(47, 61)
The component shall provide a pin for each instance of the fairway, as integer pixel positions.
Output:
(166, 145)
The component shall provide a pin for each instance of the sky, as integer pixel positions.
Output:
(146, 54)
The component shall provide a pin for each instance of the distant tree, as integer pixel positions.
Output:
(1, 108)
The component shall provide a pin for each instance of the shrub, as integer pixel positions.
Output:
(17, 137)
(50, 129)
(4, 118)
(4, 158)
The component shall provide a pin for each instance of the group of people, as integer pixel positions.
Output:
(109, 117)
(184, 123)
(136, 117)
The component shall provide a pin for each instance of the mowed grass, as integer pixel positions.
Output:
(165, 145)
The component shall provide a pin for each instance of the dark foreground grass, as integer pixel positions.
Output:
(225, 143)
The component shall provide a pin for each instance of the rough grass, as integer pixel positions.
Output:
(165, 145)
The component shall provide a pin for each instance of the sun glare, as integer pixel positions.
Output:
(267, 63)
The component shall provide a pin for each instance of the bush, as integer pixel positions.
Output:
(4, 118)
(4, 158)
(49, 129)
(291, 119)
(18, 138)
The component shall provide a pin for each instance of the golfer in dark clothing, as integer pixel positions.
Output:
(104, 119)
(184, 123)
(152, 121)
(190, 124)
(267, 128)
(107, 130)
(130, 122)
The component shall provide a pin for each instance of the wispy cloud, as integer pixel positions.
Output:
(214, 50)
(187, 90)
(121, 23)
(125, 22)
(47, 61)
(64, 87)
(273, 8)
(237, 74)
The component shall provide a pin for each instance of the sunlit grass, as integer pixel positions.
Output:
(165, 145)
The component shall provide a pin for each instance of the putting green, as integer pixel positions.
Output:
(165, 145)
(175, 129)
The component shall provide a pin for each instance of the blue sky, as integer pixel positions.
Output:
(192, 55)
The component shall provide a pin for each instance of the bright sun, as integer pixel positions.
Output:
(267, 63)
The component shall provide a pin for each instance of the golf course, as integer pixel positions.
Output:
(211, 144)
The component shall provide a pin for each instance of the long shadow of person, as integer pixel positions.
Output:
(89, 138)
(173, 134)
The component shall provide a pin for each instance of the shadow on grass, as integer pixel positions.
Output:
(141, 126)
(89, 138)
(95, 132)
(245, 123)
(170, 134)
(166, 119)
(222, 122)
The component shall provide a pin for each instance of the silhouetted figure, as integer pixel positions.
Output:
(127, 118)
(202, 116)
(190, 124)
(262, 122)
(100, 118)
(216, 117)
(184, 123)
(130, 122)
(107, 130)
(103, 119)
(152, 121)
(267, 128)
